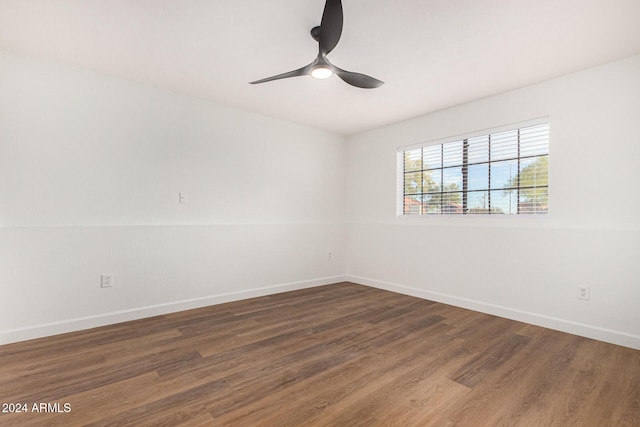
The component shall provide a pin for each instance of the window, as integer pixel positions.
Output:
(501, 172)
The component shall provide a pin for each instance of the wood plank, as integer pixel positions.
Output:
(342, 354)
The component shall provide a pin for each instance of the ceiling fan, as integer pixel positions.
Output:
(327, 34)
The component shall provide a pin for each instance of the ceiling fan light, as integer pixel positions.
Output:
(321, 72)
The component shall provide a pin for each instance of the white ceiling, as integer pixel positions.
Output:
(432, 54)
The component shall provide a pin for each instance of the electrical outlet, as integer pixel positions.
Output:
(584, 292)
(182, 198)
(106, 280)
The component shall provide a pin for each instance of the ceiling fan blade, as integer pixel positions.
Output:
(295, 73)
(357, 79)
(331, 26)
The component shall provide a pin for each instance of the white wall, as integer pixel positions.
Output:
(91, 167)
(90, 171)
(522, 268)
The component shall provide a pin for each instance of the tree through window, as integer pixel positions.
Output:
(503, 172)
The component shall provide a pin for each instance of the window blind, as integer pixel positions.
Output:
(502, 172)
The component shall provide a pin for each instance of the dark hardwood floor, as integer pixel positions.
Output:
(338, 355)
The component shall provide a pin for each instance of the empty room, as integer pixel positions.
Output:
(319, 213)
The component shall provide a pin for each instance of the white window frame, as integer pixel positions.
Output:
(400, 203)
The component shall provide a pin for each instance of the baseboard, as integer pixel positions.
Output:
(563, 325)
(55, 328)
